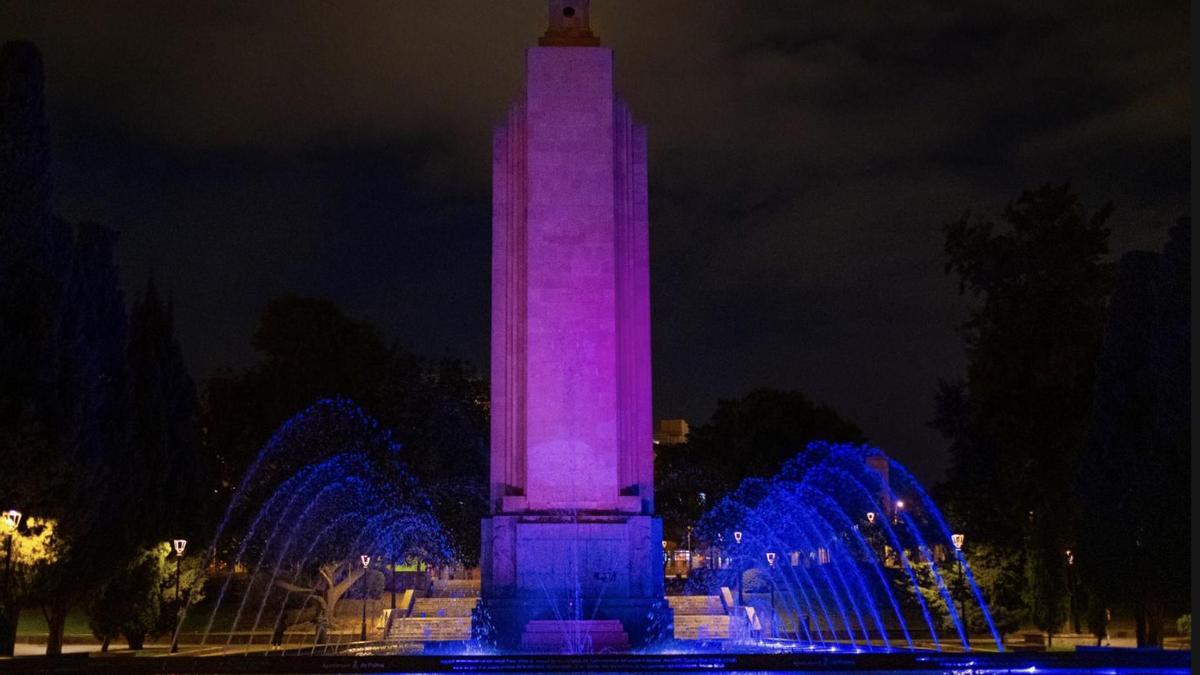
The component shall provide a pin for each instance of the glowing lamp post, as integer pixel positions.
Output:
(689, 547)
(871, 517)
(179, 545)
(366, 563)
(11, 520)
(771, 564)
(1070, 556)
(958, 540)
(737, 538)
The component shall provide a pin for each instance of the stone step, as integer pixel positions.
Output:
(443, 607)
(696, 604)
(702, 627)
(456, 588)
(432, 629)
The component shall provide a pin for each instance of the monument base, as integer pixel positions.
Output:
(575, 569)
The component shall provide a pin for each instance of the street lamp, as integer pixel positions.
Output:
(1071, 589)
(771, 580)
(958, 540)
(689, 547)
(179, 545)
(392, 564)
(871, 517)
(366, 563)
(11, 520)
(737, 537)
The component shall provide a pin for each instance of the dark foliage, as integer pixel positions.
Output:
(1070, 434)
(75, 428)
(1133, 477)
(62, 336)
(748, 437)
(162, 453)
(310, 351)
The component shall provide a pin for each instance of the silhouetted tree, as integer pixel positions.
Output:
(62, 322)
(32, 245)
(166, 470)
(1019, 422)
(95, 534)
(1133, 478)
(310, 350)
(162, 482)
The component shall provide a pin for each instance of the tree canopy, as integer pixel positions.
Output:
(752, 436)
(311, 351)
(1068, 421)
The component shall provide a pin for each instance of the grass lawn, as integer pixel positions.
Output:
(33, 622)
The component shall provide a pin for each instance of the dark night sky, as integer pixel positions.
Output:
(803, 158)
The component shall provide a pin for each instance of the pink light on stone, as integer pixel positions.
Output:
(571, 418)
(572, 463)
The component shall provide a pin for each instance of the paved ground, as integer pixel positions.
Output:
(36, 650)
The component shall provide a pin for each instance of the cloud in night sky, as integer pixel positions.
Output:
(803, 159)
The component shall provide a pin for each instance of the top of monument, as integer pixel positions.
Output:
(569, 25)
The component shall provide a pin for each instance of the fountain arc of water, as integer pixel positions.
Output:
(832, 508)
(802, 578)
(354, 546)
(779, 580)
(836, 510)
(830, 532)
(303, 478)
(940, 520)
(267, 544)
(794, 603)
(394, 520)
(338, 522)
(800, 519)
(277, 439)
(813, 519)
(829, 622)
(742, 514)
(297, 522)
(798, 585)
(943, 590)
(793, 481)
(347, 554)
(867, 501)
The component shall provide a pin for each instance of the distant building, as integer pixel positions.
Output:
(879, 464)
(670, 432)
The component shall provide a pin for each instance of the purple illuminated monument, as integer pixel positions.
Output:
(572, 537)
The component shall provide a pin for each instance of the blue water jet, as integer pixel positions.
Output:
(811, 514)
